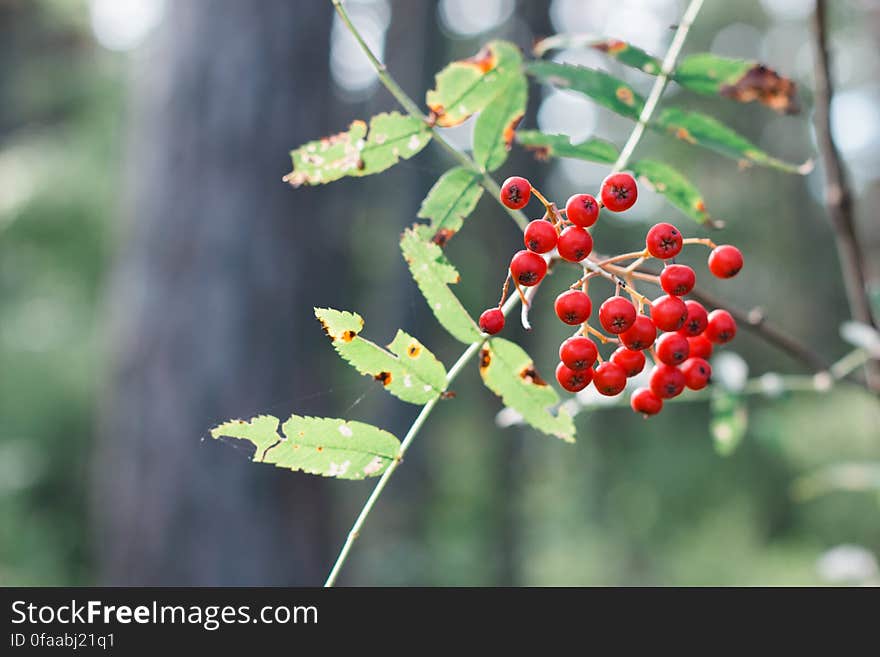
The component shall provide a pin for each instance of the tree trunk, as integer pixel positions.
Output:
(211, 302)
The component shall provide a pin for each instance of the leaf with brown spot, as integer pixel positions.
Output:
(545, 145)
(674, 186)
(409, 371)
(452, 198)
(467, 86)
(508, 371)
(621, 50)
(324, 446)
(358, 152)
(494, 129)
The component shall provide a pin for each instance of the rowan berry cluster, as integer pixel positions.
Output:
(687, 331)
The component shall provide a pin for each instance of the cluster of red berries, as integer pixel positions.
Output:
(688, 332)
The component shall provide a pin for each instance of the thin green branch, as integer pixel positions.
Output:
(518, 216)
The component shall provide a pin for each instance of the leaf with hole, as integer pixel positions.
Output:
(467, 86)
(509, 372)
(409, 371)
(703, 130)
(433, 273)
(605, 89)
(324, 446)
(729, 420)
(545, 146)
(358, 151)
(452, 198)
(495, 126)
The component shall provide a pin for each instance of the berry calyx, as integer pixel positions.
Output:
(632, 362)
(515, 192)
(492, 321)
(725, 261)
(721, 327)
(640, 335)
(574, 244)
(644, 401)
(573, 307)
(573, 380)
(672, 348)
(663, 241)
(697, 319)
(668, 312)
(540, 236)
(677, 280)
(582, 210)
(578, 353)
(697, 373)
(617, 314)
(527, 268)
(609, 379)
(666, 381)
(619, 192)
(700, 347)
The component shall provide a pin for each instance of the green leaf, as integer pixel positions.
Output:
(620, 50)
(672, 184)
(545, 146)
(452, 198)
(433, 274)
(467, 86)
(509, 372)
(607, 90)
(729, 420)
(700, 129)
(742, 80)
(323, 446)
(409, 372)
(392, 137)
(494, 130)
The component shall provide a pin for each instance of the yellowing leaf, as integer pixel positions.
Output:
(323, 446)
(410, 371)
(509, 372)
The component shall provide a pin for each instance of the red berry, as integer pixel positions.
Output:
(573, 307)
(721, 327)
(631, 361)
(672, 348)
(669, 313)
(575, 244)
(696, 373)
(619, 192)
(725, 261)
(573, 380)
(492, 321)
(540, 236)
(578, 353)
(677, 280)
(515, 192)
(666, 381)
(663, 241)
(527, 268)
(640, 335)
(617, 314)
(609, 379)
(700, 347)
(582, 210)
(645, 402)
(696, 321)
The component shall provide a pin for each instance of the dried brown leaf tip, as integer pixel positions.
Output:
(510, 131)
(611, 46)
(765, 86)
(541, 153)
(530, 375)
(485, 60)
(442, 236)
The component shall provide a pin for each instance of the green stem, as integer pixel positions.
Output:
(489, 184)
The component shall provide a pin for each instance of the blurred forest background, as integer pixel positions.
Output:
(156, 277)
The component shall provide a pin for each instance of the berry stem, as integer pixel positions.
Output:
(504, 289)
(700, 240)
(538, 195)
(604, 339)
(623, 256)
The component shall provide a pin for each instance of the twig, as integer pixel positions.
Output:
(838, 196)
(518, 216)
